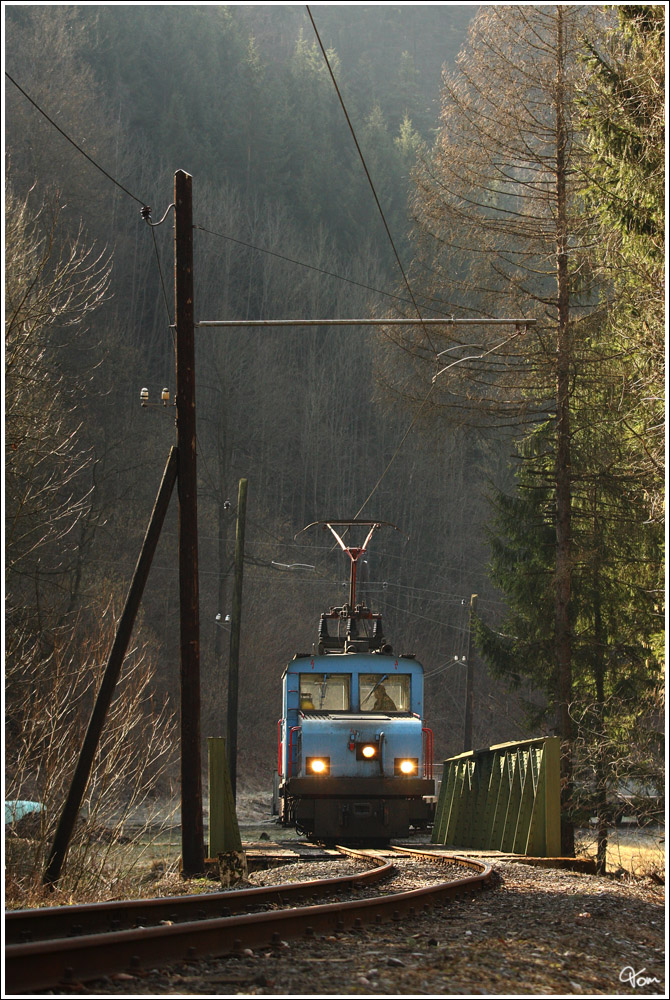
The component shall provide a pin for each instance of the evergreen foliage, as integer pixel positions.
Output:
(616, 616)
(616, 606)
(616, 613)
(626, 128)
(545, 187)
(624, 120)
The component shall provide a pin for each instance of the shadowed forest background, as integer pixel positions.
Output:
(240, 98)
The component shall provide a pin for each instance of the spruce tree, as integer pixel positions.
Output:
(616, 620)
(499, 228)
(624, 121)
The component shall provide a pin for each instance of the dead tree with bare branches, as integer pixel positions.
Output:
(500, 229)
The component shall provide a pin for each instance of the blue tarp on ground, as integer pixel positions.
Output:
(18, 808)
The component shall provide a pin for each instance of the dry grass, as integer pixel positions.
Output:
(638, 859)
(637, 852)
(145, 863)
(143, 868)
(117, 864)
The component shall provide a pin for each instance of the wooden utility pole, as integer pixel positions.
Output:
(234, 659)
(469, 682)
(193, 848)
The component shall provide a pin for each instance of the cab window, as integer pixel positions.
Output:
(325, 692)
(384, 692)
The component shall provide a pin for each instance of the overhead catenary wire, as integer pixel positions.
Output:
(97, 166)
(367, 174)
(165, 298)
(142, 202)
(146, 216)
(395, 251)
(476, 357)
(395, 454)
(416, 416)
(435, 302)
(302, 263)
(225, 236)
(146, 211)
(426, 618)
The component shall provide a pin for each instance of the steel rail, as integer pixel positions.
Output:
(428, 854)
(42, 964)
(23, 926)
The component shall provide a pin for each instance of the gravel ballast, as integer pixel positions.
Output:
(533, 931)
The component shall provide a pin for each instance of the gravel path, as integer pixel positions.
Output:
(535, 931)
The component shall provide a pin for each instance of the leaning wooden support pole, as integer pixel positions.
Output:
(118, 651)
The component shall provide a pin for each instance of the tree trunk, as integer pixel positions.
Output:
(563, 475)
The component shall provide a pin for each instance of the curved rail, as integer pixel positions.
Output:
(437, 855)
(24, 926)
(481, 867)
(41, 964)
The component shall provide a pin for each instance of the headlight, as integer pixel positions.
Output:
(318, 765)
(405, 765)
(367, 751)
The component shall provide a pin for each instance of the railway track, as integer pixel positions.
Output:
(66, 945)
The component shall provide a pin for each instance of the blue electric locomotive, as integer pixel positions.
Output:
(354, 758)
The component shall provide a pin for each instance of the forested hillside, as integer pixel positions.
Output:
(240, 98)
(286, 226)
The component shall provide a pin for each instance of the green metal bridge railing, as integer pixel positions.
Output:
(504, 798)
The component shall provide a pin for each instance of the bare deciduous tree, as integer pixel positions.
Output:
(499, 230)
(52, 286)
(49, 699)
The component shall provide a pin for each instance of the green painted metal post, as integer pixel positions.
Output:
(525, 805)
(439, 835)
(224, 831)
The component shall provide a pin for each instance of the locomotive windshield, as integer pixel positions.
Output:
(325, 692)
(384, 693)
